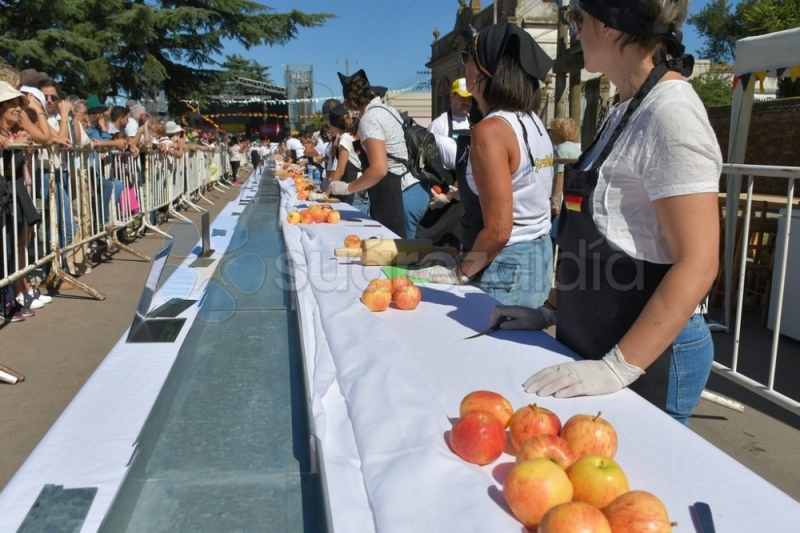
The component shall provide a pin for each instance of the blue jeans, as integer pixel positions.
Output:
(415, 202)
(692, 356)
(521, 274)
(63, 207)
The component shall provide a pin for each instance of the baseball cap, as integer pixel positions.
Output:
(172, 127)
(460, 88)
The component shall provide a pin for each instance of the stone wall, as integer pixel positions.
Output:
(774, 138)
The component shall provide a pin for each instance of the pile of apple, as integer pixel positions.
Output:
(303, 187)
(565, 478)
(400, 290)
(319, 213)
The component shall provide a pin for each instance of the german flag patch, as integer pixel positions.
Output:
(573, 202)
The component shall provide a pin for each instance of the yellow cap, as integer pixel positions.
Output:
(460, 88)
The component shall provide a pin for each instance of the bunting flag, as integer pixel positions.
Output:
(794, 73)
(745, 81)
(760, 76)
(272, 101)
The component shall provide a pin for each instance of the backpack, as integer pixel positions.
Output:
(424, 161)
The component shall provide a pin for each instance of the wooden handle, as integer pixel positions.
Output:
(383, 252)
(347, 252)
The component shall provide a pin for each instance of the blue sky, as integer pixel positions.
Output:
(389, 40)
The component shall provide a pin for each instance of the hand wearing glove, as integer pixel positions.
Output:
(454, 194)
(520, 317)
(317, 196)
(589, 378)
(339, 188)
(437, 274)
(438, 200)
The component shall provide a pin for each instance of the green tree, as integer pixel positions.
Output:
(713, 87)
(721, 27)
(137, 47)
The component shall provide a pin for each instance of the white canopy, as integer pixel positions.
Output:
(773, 51)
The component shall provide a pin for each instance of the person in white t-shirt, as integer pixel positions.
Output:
(294, 146)
(457, 117)
(639, 230)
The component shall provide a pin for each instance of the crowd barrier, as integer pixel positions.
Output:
(750, 267)
(86, 196)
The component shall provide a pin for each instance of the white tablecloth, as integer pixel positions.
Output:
(386, 387)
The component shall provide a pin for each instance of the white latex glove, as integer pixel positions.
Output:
(454, 194)
(339, 188)
(589, 378)
(438, 258)
(438, 200)
(437, 274)
(520, 317)
(317, 196)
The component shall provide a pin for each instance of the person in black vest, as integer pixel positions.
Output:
(639, 229)
(505, 177)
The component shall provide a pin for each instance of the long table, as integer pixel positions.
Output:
(385, 388)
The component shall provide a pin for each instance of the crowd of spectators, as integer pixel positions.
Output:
(45, 138)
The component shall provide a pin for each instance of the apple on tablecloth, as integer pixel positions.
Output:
(590, 434)
(574, 517)
(637, 510)
(532, 420)
(490, 401)
(534, 487)
(478, 437)
(597, 480)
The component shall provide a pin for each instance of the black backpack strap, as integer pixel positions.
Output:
(450, 123)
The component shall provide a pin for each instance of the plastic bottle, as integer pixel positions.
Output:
(317, 179)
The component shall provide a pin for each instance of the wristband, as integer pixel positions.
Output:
(460, 276)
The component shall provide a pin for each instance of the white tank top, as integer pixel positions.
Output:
(532, 181)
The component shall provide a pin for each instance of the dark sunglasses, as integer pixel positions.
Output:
(465, 53)
(575, 20)
(52, 97)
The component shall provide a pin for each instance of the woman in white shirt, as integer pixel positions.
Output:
(234, 156)
(347, 167)
(639, 232)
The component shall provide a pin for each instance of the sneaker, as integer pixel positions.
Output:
(27, 312)
(28, 301)
(12, 313)
(44, 298)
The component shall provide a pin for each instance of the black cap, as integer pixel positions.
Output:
(492, 43)
(336, 117)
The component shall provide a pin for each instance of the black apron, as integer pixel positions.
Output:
(601, 291)
(350, 172)
(386, 199)
(472, 221)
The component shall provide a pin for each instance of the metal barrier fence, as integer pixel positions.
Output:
(83, 196)
(747, 251)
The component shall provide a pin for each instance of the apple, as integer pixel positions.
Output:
(352, 241)
(305, 216)
(407, 297)
(534, 487)
(574, 517)
(334, 217)
(597, 480)
(293, 217)
(478, 437)
(400, 281)
(488, 401)
(637, 510)
(590, 434)
(546, 446)
(376, 298)
(319, 215)
(302, 195)
(532, 420)
(436, 189)
(381, 282)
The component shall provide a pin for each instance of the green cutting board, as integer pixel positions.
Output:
(408, 271)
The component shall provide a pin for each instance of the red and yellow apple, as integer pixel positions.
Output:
(400, 281)
(319, 215)
(478, 437)
(334, 217)
(407, 297)
(590, 434)
(534, 487)
(376, 298)
(352, 241)
(487, 401)
(293, 217)
(597, 480)
(637, 510)
(302, 195)
(546, 446)
(574, 517)
(532, 420)
(305, 216)
(381, 282)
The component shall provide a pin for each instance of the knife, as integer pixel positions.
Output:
(704, 520)
(490, 329)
